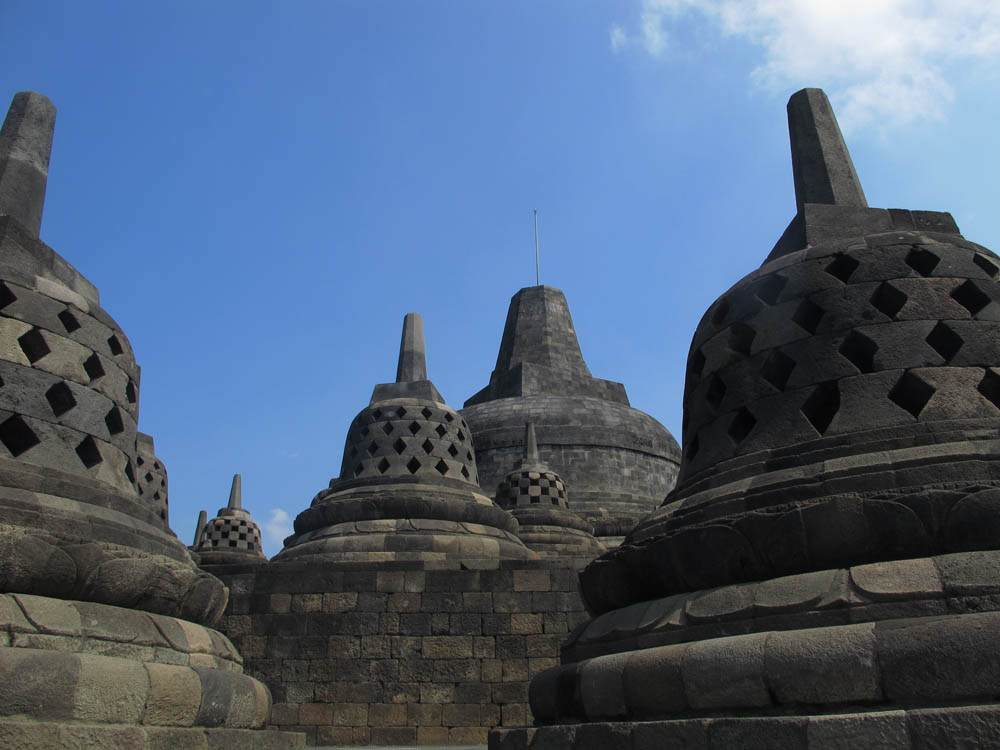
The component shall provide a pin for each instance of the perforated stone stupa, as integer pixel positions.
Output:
(105, 637)
(619, 461)
(408, 486)
(827, 571)
(232, 537)
(537, 497)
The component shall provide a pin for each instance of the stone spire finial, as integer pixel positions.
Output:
(25, 145)
(412, 360)
(236, 493)
(821, 163)
(202, 520)
(530, 442)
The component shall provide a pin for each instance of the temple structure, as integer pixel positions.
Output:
(537, 497)
(230, 537)
(825, 573)
(105, 620)
(408, 486)
(619, 461)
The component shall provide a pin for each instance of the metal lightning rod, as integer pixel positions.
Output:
(537, 278)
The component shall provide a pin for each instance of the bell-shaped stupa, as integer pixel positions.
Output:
(408, 486)
(537, 497)
(826, 569)
(619, 461)
(231, 537)
(105, 615)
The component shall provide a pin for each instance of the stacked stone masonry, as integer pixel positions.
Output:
(403, 653)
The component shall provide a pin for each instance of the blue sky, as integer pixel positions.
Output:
(261, 190)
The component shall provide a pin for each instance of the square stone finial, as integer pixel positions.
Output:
(821, 164)
(25, 147)
(412, 360)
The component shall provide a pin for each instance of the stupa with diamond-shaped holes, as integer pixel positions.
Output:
(408, 486)
(827, 570)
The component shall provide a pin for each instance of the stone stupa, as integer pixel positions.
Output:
(827, 571)
(408, 486)
(105, 620)
(232, 537)
(619, 461)
(537, 497)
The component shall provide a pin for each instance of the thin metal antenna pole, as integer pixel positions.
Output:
(537, 278)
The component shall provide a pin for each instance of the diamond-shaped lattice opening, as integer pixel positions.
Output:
(777, 369)
(442, 467)
(989, 386)
(440, 430)
(741, 425)
(130, 392)
(449, 417)
(148, 477)
(17, 436)
(89, 453)
(354, 451)
(400, 412)
(944, 341)
(697, 363)
(822, 405)
(860, 351)
(69, 321)
(426, 412)
(452, 450)
(428, 446)
(461, 435)
(377, 414)
(969, 296)
(888, 300)
(693, 448)
(808, 315)
(383, 466)
(842, 267)
(60, 398)
(414, 428)
(720, 313)
(128, 471)
(113, 419)
(769, 289)
(115, 345)
(95, 369)
(6, 295)
(364, 431)
(468, 455)
(922, 261)
(399, 446)
(387, 428)
(987, 265)
(358, 470)
(139, 461)
(413, 465)
(911, 393)
(33, 345)
(741, 337)
(715, 392)
(465, 472)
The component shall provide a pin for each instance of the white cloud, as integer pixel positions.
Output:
(880, 60)
(276, 528)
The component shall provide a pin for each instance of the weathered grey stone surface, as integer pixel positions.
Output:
(831, 542)
(619, 461)
(83, 518)
(25, 146)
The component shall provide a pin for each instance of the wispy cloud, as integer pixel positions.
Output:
(881, 60)
(276, 528)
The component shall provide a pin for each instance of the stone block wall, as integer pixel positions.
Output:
(400, 653)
